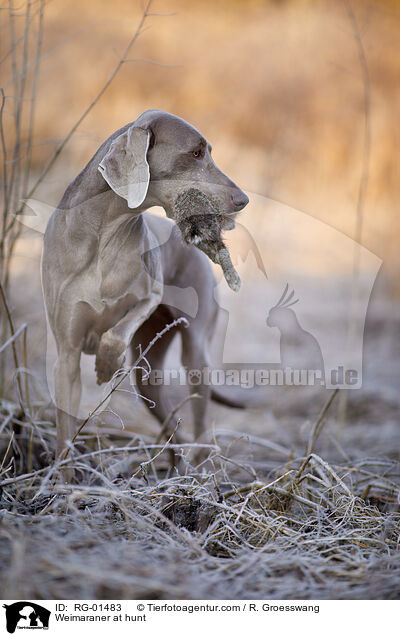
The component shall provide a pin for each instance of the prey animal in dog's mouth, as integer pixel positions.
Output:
(202, 225)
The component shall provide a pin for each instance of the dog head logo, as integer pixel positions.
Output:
(26, 615)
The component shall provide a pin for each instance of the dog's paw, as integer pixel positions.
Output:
(110, 357)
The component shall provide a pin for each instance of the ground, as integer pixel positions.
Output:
(276, 512)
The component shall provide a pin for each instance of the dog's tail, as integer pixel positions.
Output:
(240, 397)
(234, 401)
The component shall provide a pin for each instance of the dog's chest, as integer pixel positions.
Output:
(122, 272)
(119, 266)
(126, 265)
(121, 279)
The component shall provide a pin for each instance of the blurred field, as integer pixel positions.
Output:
(278, 89)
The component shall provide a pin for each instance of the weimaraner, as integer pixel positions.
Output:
(106, 267)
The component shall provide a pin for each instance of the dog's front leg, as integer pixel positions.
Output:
(114, 342)
(67, 395)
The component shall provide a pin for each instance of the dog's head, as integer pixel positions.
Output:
(160, 156)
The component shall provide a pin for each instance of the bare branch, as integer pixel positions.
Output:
(367, 125)
(5, 176)
(362, 190)
(33, 99)
(101, 92)
(14, 349)
(148, 61)
(13, 337)
(319, 424)
(16, 165)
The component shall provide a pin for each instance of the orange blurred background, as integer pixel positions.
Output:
(277, 87)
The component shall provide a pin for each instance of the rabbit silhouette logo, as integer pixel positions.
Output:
(299, 349)
(26, 615)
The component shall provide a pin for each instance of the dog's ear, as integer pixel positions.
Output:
(125, 166)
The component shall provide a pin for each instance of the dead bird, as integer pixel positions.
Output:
(201, 225)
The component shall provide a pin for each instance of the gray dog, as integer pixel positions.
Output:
(106, 266)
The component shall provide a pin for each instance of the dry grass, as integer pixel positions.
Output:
(231, 528)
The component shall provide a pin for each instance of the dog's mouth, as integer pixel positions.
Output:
(201, 224)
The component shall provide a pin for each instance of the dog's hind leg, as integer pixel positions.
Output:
(195, 359)
(155, 395)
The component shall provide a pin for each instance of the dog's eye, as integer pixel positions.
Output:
(197, 154)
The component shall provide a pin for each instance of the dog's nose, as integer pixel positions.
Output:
(240, 200)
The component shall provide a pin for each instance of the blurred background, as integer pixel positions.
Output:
(300, 99)
(277, 87)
